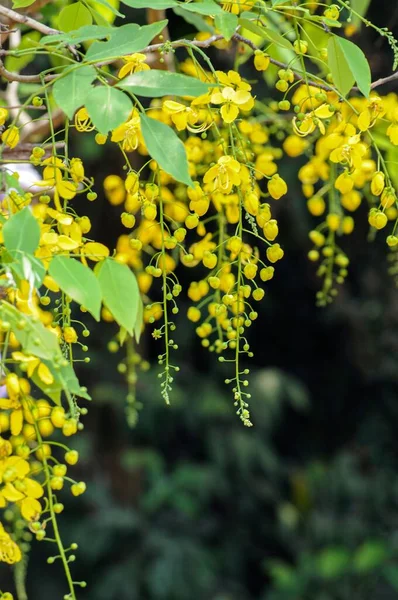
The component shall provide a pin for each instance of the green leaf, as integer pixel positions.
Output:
(166, 148)
(67, 376)
(22, 232)
(22, 3)
(358, 64)
(10, 182)
(109, 7)
(196, 20)
(70, 91)
(125, 40)
(267, 33)
(206, 7)
(343, 79)
(108, 107)
(155, 4)
(333, 562)
(17, 63)
(156, 83)
(31, 334)
(54, 390)
(226, 23)
(64, 379)
(28, 267)
(83, 34)
(74, 16)
(370, 556)
(78, 282)
(120, 292)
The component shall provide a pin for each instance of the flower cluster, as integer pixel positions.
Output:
(199, 192)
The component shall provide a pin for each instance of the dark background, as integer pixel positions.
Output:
(303, 506)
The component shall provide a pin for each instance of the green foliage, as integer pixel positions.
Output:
(70, 92)
(78, 282)
(226, 23)
(108, 107)
(120, 293)
(22, 232)
(156, 83)
(343, 78)
(127, 39)
(357, 63)
(74, 16)
(166, 148)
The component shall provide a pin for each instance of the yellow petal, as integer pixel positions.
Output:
(170, 107)
(229, 112)
(16, 421)
(364, 120)
(95, 251)
(50, 284)
(11, 494)
(20, 465)
(62, 218)
(66, 189)
(323, 112)
(50, 238)
(45, 374)
(33, 488)
(5, 403)
(241, 97)
(30, 509)
(74, 232)
(66, 243)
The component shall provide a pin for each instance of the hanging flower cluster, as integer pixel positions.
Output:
(200, 192)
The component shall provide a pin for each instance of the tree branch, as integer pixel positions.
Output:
(16, 17)
(384, 80)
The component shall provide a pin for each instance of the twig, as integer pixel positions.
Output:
(10, 76)
(25, 20)
(384, 80)
(24, 151)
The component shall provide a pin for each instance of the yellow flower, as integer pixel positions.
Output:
(311, 120)
(12, 467)
(232, 101)
(232, 79)
(344, 183)
(277, 187)
(114, 189)
(350, 152)
(128, 134)
(83, 121)
(294, 145)
(9, 550)
(70, 335)
(26, 493)
(261, 60)
(3, 115)
(223, 175)
(377, 184)
(77, 170)
(134, 64)
(32, 363)
(369, 116)
(183, 117)
(11, 136)
(52, 178)
(392, 132)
